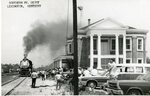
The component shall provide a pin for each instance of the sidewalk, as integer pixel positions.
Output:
(47, 87)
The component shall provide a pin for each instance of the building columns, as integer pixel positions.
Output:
(144, 50)
(117, 49)
(99, 52)
(134, 49)
(124, 49)
(60, 63)
(99, 55)
(91, 51)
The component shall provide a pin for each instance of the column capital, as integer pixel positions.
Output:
(91, 35)
(99, 35)
(144, 37)
(117, 35)
(134, 37)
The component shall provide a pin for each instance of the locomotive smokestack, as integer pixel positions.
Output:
(25, 55)
(89, 21)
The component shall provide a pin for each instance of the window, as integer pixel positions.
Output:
(69, 48)
(113, 44)
(128, 60)
(139, 69)
(120, 60)
(140, 60)
(95, 63)
(128, 44)
(120, 46)
(129, 69)
(140, 44)
(95, 45)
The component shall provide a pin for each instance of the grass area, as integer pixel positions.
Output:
(8, 78)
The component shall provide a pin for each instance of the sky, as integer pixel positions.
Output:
(18, 22)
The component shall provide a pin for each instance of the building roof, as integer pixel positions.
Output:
(136, 31)
(130, 29)
(63, 57)
(91, 24)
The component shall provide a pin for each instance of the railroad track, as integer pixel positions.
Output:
(8, 88)
(17, 77)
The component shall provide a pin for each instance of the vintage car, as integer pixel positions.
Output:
(124, 71)
(94, 81)
(140, 86)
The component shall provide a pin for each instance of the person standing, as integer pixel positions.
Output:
(86, 72)
(53, 73)
(112, 69)
(34, 75)
(43, 75)
(70, 79)
(58, 79)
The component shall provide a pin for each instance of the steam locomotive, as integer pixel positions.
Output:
(25, 68)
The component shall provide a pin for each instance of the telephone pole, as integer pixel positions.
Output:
(75, 34)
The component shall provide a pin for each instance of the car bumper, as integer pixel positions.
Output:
(114, 92)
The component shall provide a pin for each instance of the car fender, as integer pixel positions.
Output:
(135, 88)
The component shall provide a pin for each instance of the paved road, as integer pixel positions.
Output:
(47, 87)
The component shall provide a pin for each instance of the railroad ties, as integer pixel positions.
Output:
(9, 87)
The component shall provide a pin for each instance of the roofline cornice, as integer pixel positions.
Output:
(137, 31)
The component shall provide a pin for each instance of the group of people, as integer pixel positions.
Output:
(83, 72)
(54, 71)
(42, 74)
(87, 72)
(54, 74)
(57, 74)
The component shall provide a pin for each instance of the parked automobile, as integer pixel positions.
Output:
(124, 72)
(94, 81)
(140, 86)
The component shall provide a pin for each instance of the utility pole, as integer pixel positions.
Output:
(75, 34)
(81, 13)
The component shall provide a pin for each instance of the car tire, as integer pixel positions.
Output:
(134, 92)
(92, 84)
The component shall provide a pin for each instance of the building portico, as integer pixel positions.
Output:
(100, 34)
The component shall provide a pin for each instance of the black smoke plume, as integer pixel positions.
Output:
(49, 33)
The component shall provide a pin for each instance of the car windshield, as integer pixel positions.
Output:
(145, 77)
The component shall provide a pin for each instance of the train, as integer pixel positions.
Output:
(25, 69)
